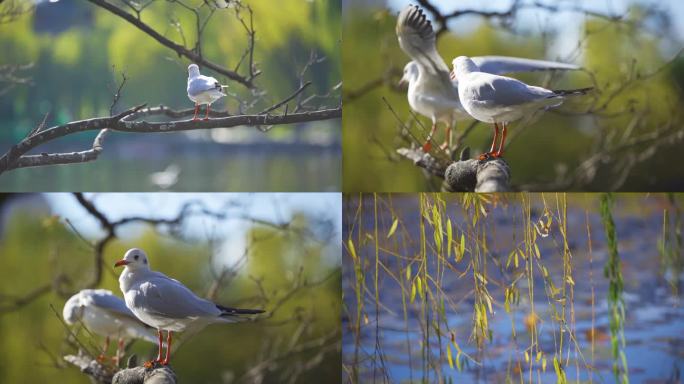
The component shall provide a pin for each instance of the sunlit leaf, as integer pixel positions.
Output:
(393, 228)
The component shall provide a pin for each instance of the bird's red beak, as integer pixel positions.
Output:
(121, 262)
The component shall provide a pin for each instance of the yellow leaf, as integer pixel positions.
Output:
(449, 357)
(527, 357)
(408, 272)
(539, 355)
(449, 238)
(393, 228)
(352, 250)
(544, 364)
(413, 291)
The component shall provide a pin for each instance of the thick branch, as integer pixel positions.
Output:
(465, 175)
(471, 175)
(180, 50)
(141, 375)
(13, 158)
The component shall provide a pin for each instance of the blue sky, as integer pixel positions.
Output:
(277, 207)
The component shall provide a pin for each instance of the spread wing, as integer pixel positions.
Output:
(167, 297)
(504, 64)
(417, 39)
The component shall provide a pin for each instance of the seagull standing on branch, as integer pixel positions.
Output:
(203, 89)
(107, 315)
(500, 99)
(431, 92)
(165, 304)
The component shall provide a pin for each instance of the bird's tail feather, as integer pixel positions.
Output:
(570, 92)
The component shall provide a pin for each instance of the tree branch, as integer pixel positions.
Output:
(16, 156)
(180, 50)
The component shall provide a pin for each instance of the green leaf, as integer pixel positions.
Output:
(413, 292)
(461, 249)
(393, 228)
(408, 272)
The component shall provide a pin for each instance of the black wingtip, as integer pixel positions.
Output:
(228, 311)
(414, 17)
(566, 92)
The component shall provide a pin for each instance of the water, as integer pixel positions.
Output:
(217, 168)
(654, 326)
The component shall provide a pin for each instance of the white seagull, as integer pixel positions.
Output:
(500, 99)
(431, 92)
(165, 304)
(203, 89)
(107, 315)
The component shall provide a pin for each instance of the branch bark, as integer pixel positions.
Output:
(492, 175)
(16, 156)
(465, 175)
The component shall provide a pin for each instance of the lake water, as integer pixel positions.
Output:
(391, 351)
(215, 168)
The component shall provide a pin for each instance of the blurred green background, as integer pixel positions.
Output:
(37, 244)
(549, 150)
(79, 51)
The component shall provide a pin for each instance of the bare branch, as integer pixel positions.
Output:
(16, 156)
(179, 49)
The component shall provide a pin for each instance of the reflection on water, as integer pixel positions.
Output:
(654, 325)
(234, 168)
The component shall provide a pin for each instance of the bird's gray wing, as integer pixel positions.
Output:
(504, 64)
(107, 300)
(167, 297)
(417, 39)
(501, 91)
(201, 84)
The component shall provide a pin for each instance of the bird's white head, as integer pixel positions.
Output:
(134, 259)
(463, 65)
(410, 73)
(193, 70)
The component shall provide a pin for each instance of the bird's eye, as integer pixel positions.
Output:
(136, 257)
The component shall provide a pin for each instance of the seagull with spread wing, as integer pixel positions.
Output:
(203, 89)
(431, 91)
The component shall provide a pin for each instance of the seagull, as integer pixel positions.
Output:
(431, 92)
(165, 304)
(499, 99)
(107, 315)
(203, 89)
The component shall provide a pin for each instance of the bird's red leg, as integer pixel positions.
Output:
(119, 354)
(150, 364)
(196, 110)
(168, 348)
(206, 117)
(486, 155)
(428, 145)
(447, 140)
(500, 152)
(102, 357)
